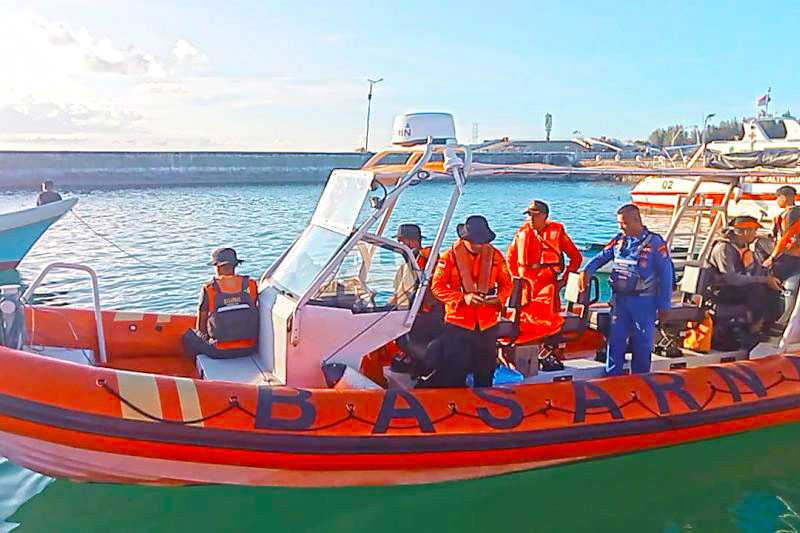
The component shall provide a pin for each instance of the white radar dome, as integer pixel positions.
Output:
(414, 128)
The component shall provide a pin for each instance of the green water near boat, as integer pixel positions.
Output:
(747, 482)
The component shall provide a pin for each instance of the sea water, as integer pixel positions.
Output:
(164, 236)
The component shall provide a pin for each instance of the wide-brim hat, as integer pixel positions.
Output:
(477, 230)
(224, 256)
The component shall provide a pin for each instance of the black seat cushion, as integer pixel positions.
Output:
(572, 322)
(682, 313)
(507, 329)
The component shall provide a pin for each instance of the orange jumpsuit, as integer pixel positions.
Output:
(538, 257)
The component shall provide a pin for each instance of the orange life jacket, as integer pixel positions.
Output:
(428, 301)
(232, 312)
(465, 262)
(540, 249)
(423, 257)
(458, 272)
(780, 228)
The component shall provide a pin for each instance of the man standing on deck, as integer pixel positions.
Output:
(473, 282)
(227, 316)
(48, 194)
(537, 255)
(641, 281)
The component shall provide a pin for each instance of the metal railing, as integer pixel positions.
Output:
(98, 315)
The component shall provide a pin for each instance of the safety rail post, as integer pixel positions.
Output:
(98, 315)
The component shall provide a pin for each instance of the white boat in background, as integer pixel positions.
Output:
(755, 196)
(762, 133)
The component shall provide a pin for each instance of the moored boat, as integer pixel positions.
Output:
(20, 230)
(108, 396)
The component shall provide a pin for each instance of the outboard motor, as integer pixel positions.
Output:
(12, 317)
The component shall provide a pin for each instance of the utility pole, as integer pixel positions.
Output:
(369, 110)
(475, 136)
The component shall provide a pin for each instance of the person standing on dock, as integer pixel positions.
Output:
(473, 282)
(641, 281)
(227, 316)
(48, 194)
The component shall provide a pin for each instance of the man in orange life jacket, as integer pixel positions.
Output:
(473, 282)
(785, 257)
(227, 317)
(537, 254)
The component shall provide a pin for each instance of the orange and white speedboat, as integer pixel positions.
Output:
(108, 396)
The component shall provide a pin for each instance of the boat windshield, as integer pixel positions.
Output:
(306, 259)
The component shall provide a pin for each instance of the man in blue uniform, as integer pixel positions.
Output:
(641, 281)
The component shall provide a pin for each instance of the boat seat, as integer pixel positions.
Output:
(600, 319)
(572, 322)
(238, 370)
(681, 313)
(73, 355)
(575, 323)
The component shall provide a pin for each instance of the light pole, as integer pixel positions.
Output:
(369, 109)
(705, 126)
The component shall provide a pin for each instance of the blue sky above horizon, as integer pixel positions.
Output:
(269, 75)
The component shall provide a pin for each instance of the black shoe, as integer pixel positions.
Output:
(402, 364)
(550, 363)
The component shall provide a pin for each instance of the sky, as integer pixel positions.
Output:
(273, 75)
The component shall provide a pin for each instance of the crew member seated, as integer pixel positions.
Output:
(473, 282)
(739, 280)
(537, 255)
(784, 261)
(48, 194)
(429, 321)
(227, 317)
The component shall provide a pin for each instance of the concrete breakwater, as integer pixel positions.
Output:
(28, 169)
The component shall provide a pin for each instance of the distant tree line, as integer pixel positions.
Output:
(678, 134)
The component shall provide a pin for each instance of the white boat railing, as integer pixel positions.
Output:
(98, 315)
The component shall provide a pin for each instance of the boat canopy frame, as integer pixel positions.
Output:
(382, 209)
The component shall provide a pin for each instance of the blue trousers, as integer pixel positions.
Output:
(633, 317)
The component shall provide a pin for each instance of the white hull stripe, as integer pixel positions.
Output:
(142, 391)
(190, 402)
(122, 316)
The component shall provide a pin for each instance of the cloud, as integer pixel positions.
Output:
(188, 54)
(47, 118)
(101, 55)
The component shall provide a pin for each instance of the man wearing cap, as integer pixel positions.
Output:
(537, 255)
(227, 316)
(785, 257)
(48, 194)
(641, 282)
(739, 279)
(473, 282)
(429, 321)
(404, 281)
